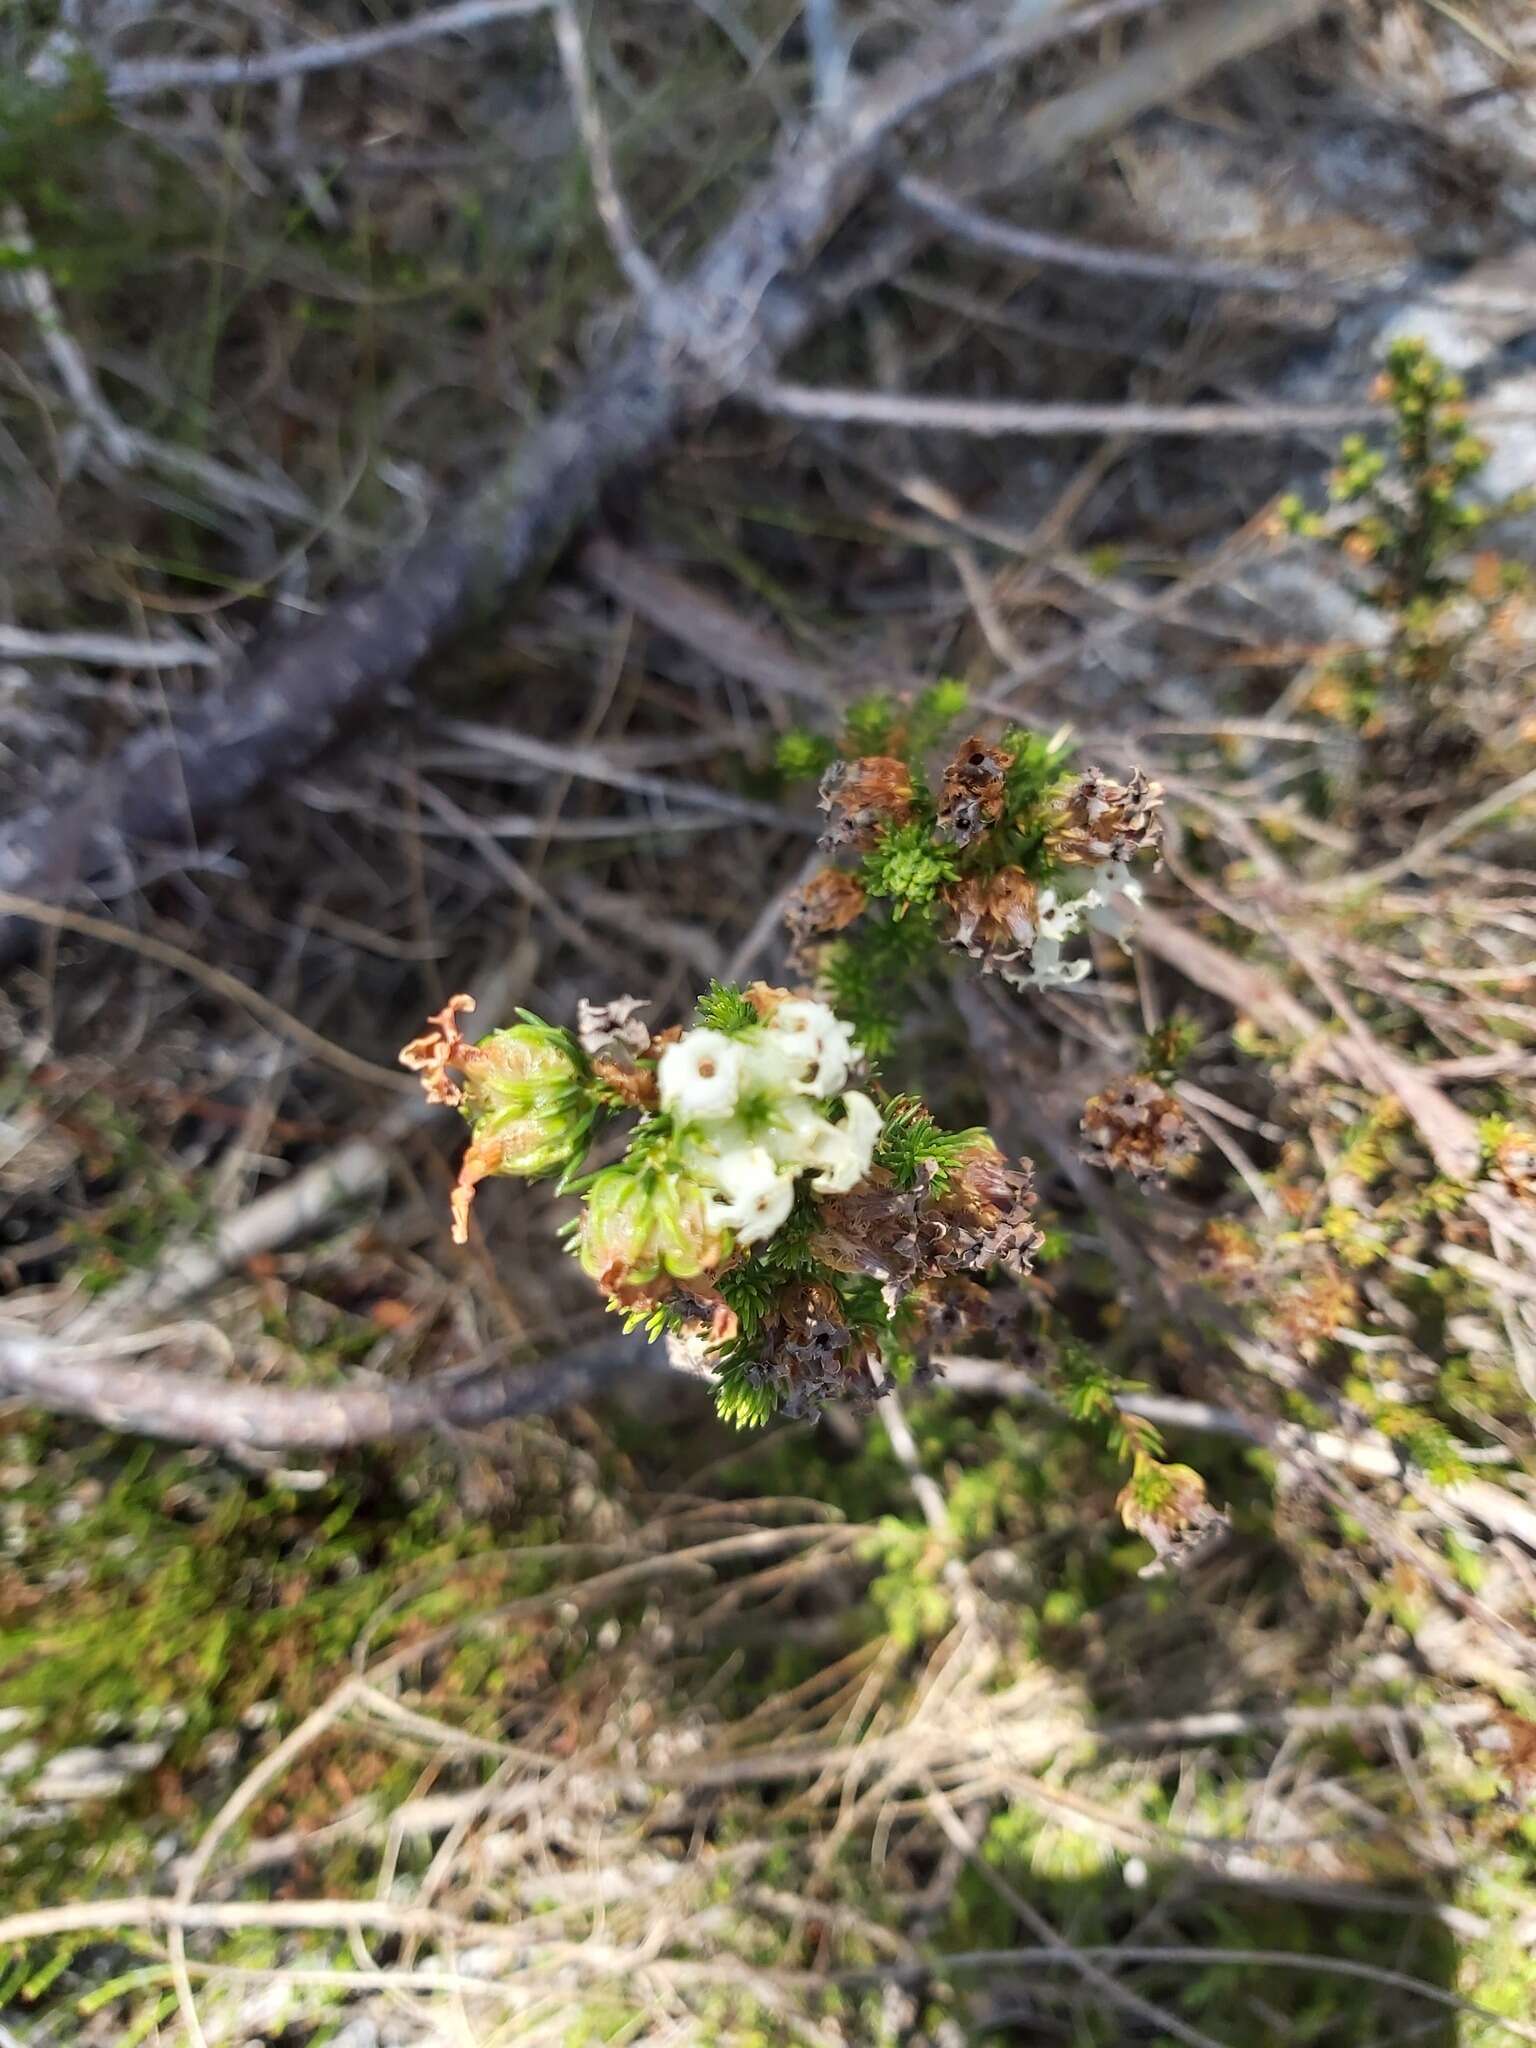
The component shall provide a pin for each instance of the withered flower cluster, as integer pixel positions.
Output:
(926, 1246)
(1174, 1516)
(961, 851)
(861, 798)
(1138, 1127)
(1104, 820)
(974, 790)
(979, 1217)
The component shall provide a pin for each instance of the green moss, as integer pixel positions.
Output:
(187, 1594)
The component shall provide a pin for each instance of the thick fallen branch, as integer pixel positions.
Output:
(729, 324)
(299, 692)
(189, 1407)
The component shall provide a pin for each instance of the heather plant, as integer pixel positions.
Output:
(792, 1235)
(1407, 520)
(993, 850)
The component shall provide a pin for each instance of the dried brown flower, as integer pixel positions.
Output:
(1168, 1507)
(1102, 820)
(989, 1214)
(875, 1231)
(1514, 1164)
(438, 1049)
(828, 902)
(634, 1086)
(766, 999)
(862, 797)
(973, 789)
(483, 1159)
(952, 1309)
(811, 1356)
(912, 1238)
(604, 1029)
(1314, 1306)
(614, 1039)
(1137, 1127)
(993, 917)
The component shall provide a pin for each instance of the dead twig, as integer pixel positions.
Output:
(1041, 420)
(191, 1407)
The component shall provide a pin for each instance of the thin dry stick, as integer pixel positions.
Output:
(33, 288)
(1042, 420)
(165, 954)
(828, 42)
(240, 1802)
(191, 1407)
(1074, 1958)
(645, 280)
(137, 81)
(107, 650)
(1033, 245)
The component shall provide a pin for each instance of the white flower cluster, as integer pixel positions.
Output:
(751, 1111)
(1109, 904)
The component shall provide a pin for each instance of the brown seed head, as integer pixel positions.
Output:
(829, 902)
(973, 790)
(1137, 1127)
(989, 1214)
(862, 797)
(1102, 820)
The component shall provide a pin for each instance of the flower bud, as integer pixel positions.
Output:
(526, 1093)
(640, 1222)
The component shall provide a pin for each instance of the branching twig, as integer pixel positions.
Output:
(1036, 421)
(153, 76)
(303, 689)
(645, 280)
(190, 1407)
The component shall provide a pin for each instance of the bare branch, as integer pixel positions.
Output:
(645, 280)
(191, 1407)
(106, 650)
(992, 418)
(828, 43)
(1158, 266)
(137, 81)
(302, 690)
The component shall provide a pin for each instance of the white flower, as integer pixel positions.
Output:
(754, 1194)
(700, 1075)
(813, 1047)
(1047, 968)
(847, 1148)
(794, 1135)
(1056, 921)
(1114, 899)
